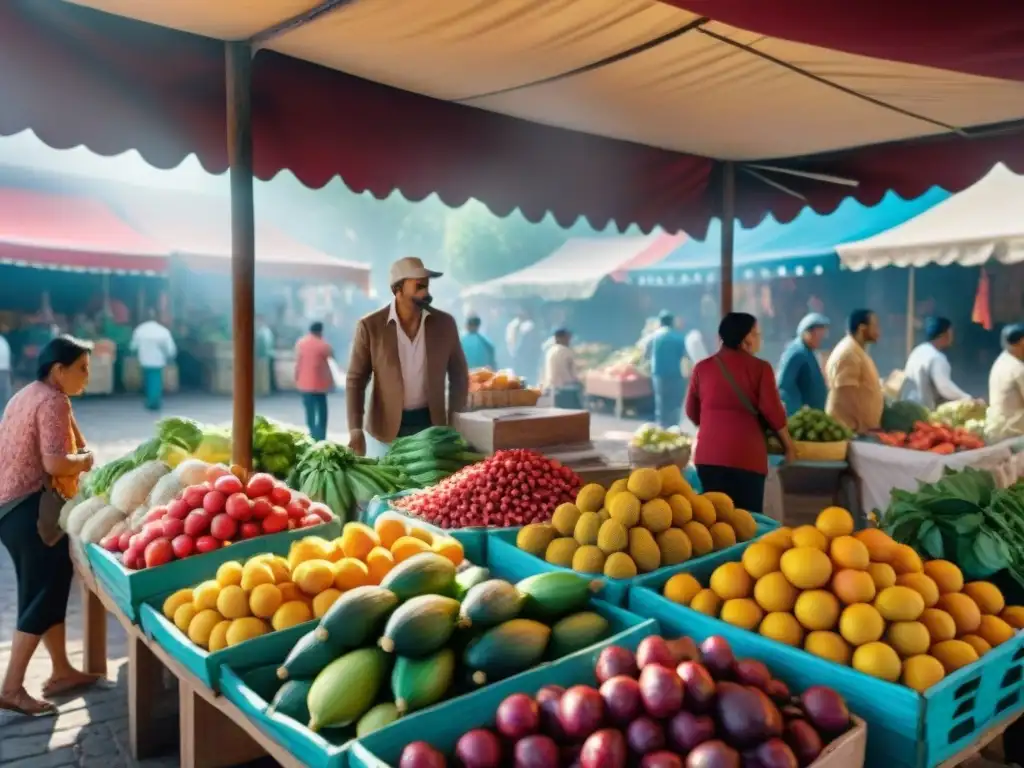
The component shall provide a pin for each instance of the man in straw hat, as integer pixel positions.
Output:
(408, 349)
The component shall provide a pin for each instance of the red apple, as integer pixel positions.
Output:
(194, 495)
(280, 494)
(223, 527)
(322, 511)
(250, 530)
(173, 527)
(156, 513)
(260, 484)
(276, 521)
(158, 552)
(239, 507)
(228, 484)
(179, 509)
(183, 546)
(261, 508)
(206, 544)
(310, 520)
(295, 510)
(197, 522)
(214, 502)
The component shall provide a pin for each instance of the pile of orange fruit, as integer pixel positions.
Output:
(856, 598)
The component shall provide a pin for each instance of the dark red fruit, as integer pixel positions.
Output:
(537, 752)
(622, 699)
(684, 649)
(645, 735)
(654, 650)
(581, 711)
(547, 699)
(803, 740)
(746, 716)
(661, 690)
(518, 716)
(686, 730)
(419, 754)
(718, 657)
(615, 660)
(778, 691)
(698, 684)
(713, 754)
(774, 753)
(478, 748)
(604, 749)
(826, 709)
(663, 759)
(751, 672)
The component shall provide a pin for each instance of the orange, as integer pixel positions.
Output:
(847, 552)
(451, 549)
(389, 530)
(407, 546)
(350, 573)
(964, 611)
(906, 560)
(994, 630)
(1013, 615)
(939, 623)
(882, 574)
(809, 536)
(378, 563)
(923, 585)
(421, 533)
(357, 539)
(853, 586)
(880, 545)
(987, 595)
(946, 575)
(834, 522)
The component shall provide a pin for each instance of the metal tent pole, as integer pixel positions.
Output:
(238, 66)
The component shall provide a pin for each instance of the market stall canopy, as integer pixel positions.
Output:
(985, 221)
(605, 108)
(49, 230)
(804, 246)
(575, 270)
(197, 230)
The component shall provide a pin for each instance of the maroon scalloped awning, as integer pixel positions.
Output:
(78, 77)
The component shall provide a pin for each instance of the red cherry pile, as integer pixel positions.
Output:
(217, 512)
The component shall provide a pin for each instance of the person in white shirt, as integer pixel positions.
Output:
(929, 379)
(1006, 387)
(5, 371)
(695, 349)
(154, 347)
(560, 375)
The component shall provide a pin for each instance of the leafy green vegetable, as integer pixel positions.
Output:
(179, 431)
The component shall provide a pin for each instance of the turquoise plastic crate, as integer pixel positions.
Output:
(204, 665)
(473, 540)
(129, 589)
(443, 724)
(253, 690)
(518, 564)
(905, 729)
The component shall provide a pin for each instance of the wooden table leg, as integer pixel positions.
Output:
(208, 737)
(145, 673)
(94, 617)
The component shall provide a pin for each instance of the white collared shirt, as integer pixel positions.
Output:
(153, 345)
(929, 377)
(412, 357)
(559, 368)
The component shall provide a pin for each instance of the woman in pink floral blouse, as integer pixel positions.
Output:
(39, 441)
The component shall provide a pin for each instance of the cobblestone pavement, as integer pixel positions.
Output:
(92, 729)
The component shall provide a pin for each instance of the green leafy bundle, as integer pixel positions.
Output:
(430, 456)
(180, 432)
(277, 448)
(965, 518)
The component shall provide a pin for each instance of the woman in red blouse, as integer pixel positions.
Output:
(732, 399)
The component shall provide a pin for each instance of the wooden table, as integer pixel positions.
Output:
(213, 732)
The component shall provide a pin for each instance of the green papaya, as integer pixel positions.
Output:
(468, 578)
(576, 632)
(307, 657)
(346, 688)
(420, 626)
(378, 717)
(290, 701)
(427, 573)
(356, 617)
(419, 683)
(491, 602)
(507, 649)
(552, 595)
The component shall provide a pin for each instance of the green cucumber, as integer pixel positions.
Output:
(378, 717)
(346, 688)
(576, 632)
(307, 657)
(420, 626)
(423, 574)
(419, 683)
(555, 594)
(356, 616)
(468, 578)
(290, 701)
(492, 602)
(507, 649)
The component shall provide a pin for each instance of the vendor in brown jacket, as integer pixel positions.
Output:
(408, 349)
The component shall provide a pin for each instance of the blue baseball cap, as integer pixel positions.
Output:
(813, 320)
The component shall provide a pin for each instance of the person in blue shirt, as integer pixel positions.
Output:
(666, 348)
(478, 349)
(799, 376)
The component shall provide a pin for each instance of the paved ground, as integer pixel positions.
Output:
(92, 730)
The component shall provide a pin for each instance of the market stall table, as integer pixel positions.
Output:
(620, 391)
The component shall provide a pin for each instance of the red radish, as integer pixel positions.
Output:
(178, 508)
(276, 522)
(147, 535)
(292, 524)
(238, 506)
(309, 521)
(295, 510)
(131, 559)
(322, 511)
(194, 495)
(260, 484)
(183, 546)
(261, 508)
(109, 542)
(197, 522)
(158, 552)
(302, 499)
(156, 513)
(214, 502)
(172, 527)
(280, 494)
(206, 544)
(122, 541)
(134, 541)
(250, 530)
(215, 471)
(223, 527)
(228, 484)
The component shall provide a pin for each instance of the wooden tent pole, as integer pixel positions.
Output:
(238, 65)
(728, 220)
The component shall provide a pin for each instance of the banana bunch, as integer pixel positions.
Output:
(332, 474)
(430, 456)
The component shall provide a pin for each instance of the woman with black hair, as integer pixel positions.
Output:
(42, 455)
(733, 399)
